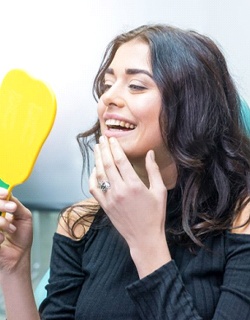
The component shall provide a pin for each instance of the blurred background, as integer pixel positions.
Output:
(62, 42)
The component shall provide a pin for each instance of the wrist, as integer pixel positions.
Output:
(18, 293)
(150, 256)
(17, 268)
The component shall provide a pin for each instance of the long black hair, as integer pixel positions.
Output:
(200, 125)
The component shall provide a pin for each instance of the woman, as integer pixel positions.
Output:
(167, 233)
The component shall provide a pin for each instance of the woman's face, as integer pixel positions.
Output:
(129, 108)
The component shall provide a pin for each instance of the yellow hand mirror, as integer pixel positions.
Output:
(27, 114)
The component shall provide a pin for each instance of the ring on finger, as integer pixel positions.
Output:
(104, 185)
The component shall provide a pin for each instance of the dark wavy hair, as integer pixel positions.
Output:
(200, 124)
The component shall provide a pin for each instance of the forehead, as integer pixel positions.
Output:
(132, 54)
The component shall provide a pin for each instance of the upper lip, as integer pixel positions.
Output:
(116, 120)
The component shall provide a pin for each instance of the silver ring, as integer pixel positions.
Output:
(104, 185)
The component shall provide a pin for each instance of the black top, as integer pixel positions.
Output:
(96, 279)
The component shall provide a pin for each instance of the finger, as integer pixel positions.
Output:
(7, 206)
(2, 238)
(99, 168)
(20, 212)
(93, 184)
(3, 193)
(6, 226)
(154, 175)
(107, 158)
(101, 177)
(126, 170)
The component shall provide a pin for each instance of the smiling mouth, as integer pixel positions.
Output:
(119, 125)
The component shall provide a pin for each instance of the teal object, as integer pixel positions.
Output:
(40, 291)
(245, 113)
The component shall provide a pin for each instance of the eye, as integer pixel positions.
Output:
(106, 86)
(136, 87)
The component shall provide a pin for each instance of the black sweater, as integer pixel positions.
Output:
(96, 279)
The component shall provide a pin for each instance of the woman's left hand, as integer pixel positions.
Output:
(138, 212)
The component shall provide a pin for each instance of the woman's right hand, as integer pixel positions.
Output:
(15, 235)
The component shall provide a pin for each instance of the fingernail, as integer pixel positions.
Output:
(152, 155)
(102, 139)
(10, 206)
(12, 228)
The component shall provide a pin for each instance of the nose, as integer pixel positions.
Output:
(113, 97)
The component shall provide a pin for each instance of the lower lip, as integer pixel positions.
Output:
(116, 133)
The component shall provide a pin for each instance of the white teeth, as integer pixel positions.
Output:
(118, 123)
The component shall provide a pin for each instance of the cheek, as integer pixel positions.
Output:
(151, 115)
(151, 122)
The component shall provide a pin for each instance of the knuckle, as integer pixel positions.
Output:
(107, 165)
(162, 189)
(3, 222)
(119, 160)
(92, 188)
(119, 197)
(99, 176)
(136, 188)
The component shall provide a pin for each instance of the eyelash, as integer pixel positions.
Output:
(105, 87)
(133, 87)
(136, 87)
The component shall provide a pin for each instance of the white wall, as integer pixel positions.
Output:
(62, 42)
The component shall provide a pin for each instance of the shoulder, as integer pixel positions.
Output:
(75, 221)
(241, 224)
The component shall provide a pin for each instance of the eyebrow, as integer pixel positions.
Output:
(131, 71)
